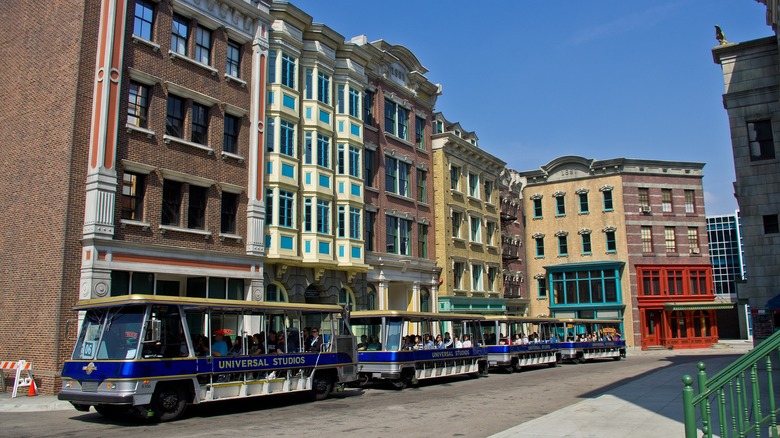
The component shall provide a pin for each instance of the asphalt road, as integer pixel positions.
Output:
(463, 406)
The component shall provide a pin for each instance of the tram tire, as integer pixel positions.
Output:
(321, 387)
(510, 369)
(617, 358)
(553, 364)
(169, 402)
(112, 411)
(81, 407)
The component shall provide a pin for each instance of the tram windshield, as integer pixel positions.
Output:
(110, 334)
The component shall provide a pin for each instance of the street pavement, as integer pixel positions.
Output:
(649, 405)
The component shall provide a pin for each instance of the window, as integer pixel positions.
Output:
(476, 277)
(196, 212)
(651, 281)
(271, 66)
(457, 218)
(457, 275)
(133, 188)
(693, 240)
(563, 246)
(492, 275)
(323, 217)
(671, 244)
(473, 185)
(179, 35)
(425, 300)
(323, 88)
(230, 137)
(586, 245)
(584, 207)
(288, 70)
(666, 200)
(391, 236)
(560, 206)
(309, 87)
(340, 99)
(340, 159)
(368, 175)
(269, 207)
(171, 203)
(354, 223)
(537, 208)
(405, 234)
(771, 225)
(541, 287)
(690, 201)
(698, 282)
(419, 132)
(422, 240)
(396, 120)
(228, 213)
(137, 105)
(270, 131)
(647, 239)
(203, 45)
(354, 102)
(488, 191)
(232, 67)
(308, 155)
(491, 231)
(285, 209)
(422, 192)
(596, 286)
(607, 195)
(174, 120)
(354, 161)
(368, 108)
(369, 237)
(341, 221)
(539, 246)
(200, 124)
(454, 177)
(644, 197)
(611, 243)
(323, 150)
(144, 17)
(761, 140)
(287, 138)
(476, 230)
(307, 215)
(396, 176)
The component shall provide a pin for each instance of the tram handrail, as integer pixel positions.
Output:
(722, 387)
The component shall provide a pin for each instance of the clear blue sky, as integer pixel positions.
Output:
(602, 79)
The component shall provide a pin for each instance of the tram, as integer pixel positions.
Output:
(582, 340)
(151, 356)
(515, 342)
(392, 346)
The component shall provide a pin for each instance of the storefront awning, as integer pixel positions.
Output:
(709, 305)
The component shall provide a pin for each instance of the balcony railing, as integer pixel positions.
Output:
(737, 401)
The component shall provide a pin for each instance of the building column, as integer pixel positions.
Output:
(416, 297)
(382, 296)
(255, 209)
(101, 184)
(434, 297)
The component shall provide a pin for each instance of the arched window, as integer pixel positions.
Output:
(425, 300)
(275, 293)
(346, 298)
(371, 298)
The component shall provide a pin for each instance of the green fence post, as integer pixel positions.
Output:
(689, 411)
(704, 407)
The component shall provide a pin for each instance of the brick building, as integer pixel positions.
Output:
(512, 241)
(149, 166)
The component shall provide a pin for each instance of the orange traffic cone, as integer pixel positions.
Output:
(33, 390)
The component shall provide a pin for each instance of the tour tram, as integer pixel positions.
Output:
(152, 355)
(392, 346)
(514, 342)
(581, 340)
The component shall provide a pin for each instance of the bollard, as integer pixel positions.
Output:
(689, 412)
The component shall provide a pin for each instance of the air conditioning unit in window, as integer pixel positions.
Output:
(694, 250)
(645, 209)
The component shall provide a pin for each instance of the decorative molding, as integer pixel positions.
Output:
(231, 188)
(539, 276)
(582, 190)
(134, 166)
(318, 273)
(536, 196)
(584, 231)
(169, 138)
(189, 93)
(186, 178)
(280, 270)
(606, 188)
(558, 194)
(537, 236)
(609, 229)
(561, 233)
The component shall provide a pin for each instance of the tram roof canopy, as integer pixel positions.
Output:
(416, 316)
(698, 305)
(221, 304)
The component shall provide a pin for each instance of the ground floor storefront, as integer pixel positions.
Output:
(679, 325)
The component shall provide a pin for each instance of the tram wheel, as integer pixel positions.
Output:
(169, 402)
(112, 411)
(616, 358)
(321, 387)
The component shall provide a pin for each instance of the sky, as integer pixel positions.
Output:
(540, 79)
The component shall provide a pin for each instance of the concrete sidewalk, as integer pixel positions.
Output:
(649, 406)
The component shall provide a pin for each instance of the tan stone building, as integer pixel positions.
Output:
(468, 222)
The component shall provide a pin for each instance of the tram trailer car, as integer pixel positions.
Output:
(383, 355)
(505, 353)
(606, 347)
(141, 355)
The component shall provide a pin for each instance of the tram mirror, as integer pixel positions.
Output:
(153, 329)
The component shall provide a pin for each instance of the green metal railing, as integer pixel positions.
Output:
(733, 400)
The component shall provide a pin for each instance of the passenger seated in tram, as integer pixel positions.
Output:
(447, 340)
(428, 344)
(258, 346)
(363, 344)
(237, 347)
(466, 341)
(456, 342)
(439, 343)
(374, 344)
(417, 344)
(518, 339)
(219, 347)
